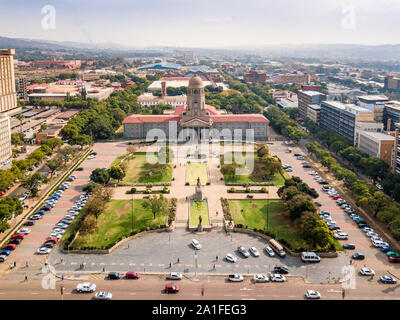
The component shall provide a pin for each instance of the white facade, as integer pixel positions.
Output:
(5, 138)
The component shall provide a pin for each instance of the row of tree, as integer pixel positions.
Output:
(367, 196)
(283, 124)
(298, 200)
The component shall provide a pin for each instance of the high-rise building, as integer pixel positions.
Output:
(254, 76)
(341, 118)
(374, 103)
(5, 138)
(8, 93)
(392, 83)
(378, 144)
(307, 98)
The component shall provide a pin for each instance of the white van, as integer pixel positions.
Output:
(310, 257)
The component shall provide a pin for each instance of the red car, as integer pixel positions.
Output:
(18, 236)
(132, 275)
(10, 246)
(336, 197)
(394, 259)
(52, 240)
(171, 288)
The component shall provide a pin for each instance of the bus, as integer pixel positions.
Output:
(277, 248)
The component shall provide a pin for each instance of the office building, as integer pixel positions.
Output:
(8, 93)
(374, 103)
(254, 76)
(5, 137)
(378, 144)
(361, 126)
(392, 83)
(391, 115)
(306, 98)
(341, 118)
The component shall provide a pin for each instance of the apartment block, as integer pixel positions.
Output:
(391, 115)
(5, 138)
(365, 126)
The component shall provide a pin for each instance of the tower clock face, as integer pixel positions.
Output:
(196, 91)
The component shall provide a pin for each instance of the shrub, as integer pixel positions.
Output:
(232, 190)
(165, 190)
(263, 190)
(133, 190)
(147, 191)
(248, 190)
(187, 183)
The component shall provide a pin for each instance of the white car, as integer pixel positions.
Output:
(86, 287)
(61, 225)
(368, 229)
(103, 295)
(341, 236)
(269, 250)
(175, 276)
(196, 244)
(367, 272)
(371, 234)
(260, 278)
(377, 243)
(230, 257)
(244, 252)
(24, 231)
(69, 217)
(313, 173)
(376, 238)
(43, 250)
(254, 251)
(58, 230)
(276, 277)
(312, 294)
(56, 235)
(235, 277)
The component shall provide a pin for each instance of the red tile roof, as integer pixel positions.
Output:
(239, 118)
(139, 118)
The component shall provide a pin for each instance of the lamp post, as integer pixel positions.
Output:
(132, 213)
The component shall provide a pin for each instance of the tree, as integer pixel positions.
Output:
(81, 140)
(375, 202)
(100, 175)
(117, 173)
(53, 143)
(317, 233)
(32, 183)
(20, 117)
(375, 168)
(54, 164)
(157, 205)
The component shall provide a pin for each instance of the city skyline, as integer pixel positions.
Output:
(206, 24)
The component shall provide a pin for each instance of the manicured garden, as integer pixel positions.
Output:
(197, 170)
(254, 173)
(253, 214)
(199, 208)
(140, 171)
(115, 223)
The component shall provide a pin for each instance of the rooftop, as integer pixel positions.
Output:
(311, 93)
(378, 136)
(374, 98)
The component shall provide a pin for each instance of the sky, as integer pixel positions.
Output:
(203, 23)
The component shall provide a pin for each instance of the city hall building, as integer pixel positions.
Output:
(195, 115)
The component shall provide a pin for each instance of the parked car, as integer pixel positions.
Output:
(367, 272)
(394, 259)
(275, 277)
(254, 251)
(244, 251)
(341, 236)
(10, 247)
(349, 246)
(29, 223)
(43, 250)
(269, 250)
(235, 277)
(387, 279)
(260, 278)
(114, 276)
(230, 257)
(175, 276)
(281, 270)
(132, 275)
(392, 254)
(385, 249)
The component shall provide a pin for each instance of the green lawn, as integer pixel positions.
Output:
(139, 170)
(254, 215)
(195, 170)
(277, 179)
(199, 208)
(116, 221)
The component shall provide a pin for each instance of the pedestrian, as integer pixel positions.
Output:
(61, 260)
(15, 264)
(11, 266)
(202, 292)
(178, 259)
(26, 264)
(214, 266)
(217, 213)
(170, 264)
(62, 277)
(104, 269)
(26, 277)
(216, 258)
